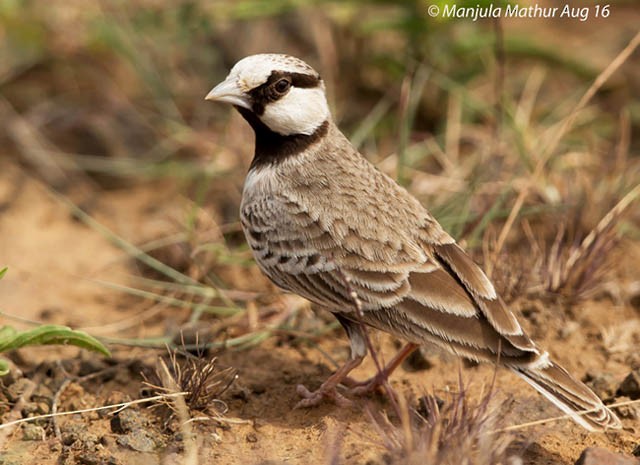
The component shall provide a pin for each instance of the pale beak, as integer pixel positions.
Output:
(229, 92)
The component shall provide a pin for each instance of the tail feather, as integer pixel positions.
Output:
(570, 395)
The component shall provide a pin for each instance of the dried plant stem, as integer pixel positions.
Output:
(549, 149)
(120, 406)
(604, 224)
(54, 407)
(180, 406)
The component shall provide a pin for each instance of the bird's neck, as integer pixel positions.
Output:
(273, 148)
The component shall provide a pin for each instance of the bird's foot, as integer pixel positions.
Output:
(311, 399)
(328, 389)
(360, 388)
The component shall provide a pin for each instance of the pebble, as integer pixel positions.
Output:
(631, 411)
(599, 456)
(603, 384)
(15, 390)
(140, 441)
(31, 432)
(126, 421)
(630, 386)
(417, 361)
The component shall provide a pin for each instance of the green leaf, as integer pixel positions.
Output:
(49, 334)
(3, 271)
(4, 367)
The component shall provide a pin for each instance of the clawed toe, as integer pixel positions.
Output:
(358, 388)
(311, 399)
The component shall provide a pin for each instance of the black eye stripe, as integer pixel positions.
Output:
(304, 81)
(265, 93)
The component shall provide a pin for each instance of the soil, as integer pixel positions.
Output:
(57, 274)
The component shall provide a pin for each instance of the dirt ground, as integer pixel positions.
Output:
(59, 264)
(64, 270)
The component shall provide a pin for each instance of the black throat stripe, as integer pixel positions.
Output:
(273, 148)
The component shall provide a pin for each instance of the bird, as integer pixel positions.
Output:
(324, 223)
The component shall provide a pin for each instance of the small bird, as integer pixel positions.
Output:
(324, 223)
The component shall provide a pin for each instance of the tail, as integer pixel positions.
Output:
(568, 394)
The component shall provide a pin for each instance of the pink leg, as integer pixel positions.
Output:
(371, 384)
(328, 388)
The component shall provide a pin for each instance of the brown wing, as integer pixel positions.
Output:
(437, 294)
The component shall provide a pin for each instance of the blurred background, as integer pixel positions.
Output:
(120, 185)
(104, 100)
(115, 169)
(106, 139)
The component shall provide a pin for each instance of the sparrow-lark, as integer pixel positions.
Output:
(324, 223)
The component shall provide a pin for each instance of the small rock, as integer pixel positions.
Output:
(258, 388)
(603, 384)
(288, 377)
(426, 405)
(531, 313)
(239, 392)
(514, 460)
(417, 361)
(42, 408)
(599, 456)
(632, 412)
(126, 421)
(31, 432)
(107, 441)
(251, 437)
(42, 393)
(89, 458)
(31, 409)
(635, 300)
(568, 329)
(78, 437)
(636, 451)
(140, 441)
(92, 365)
(15, 391)
(55, 447)
(630, 386)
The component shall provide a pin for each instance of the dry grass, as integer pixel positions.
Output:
(573, 268)
(200, 378)
(457, 430)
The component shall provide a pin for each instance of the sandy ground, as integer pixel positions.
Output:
(56, 267)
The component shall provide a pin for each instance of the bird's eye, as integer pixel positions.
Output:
(282, 86)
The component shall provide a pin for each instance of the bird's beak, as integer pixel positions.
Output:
(229, 92)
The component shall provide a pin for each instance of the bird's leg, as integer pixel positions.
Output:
(357, 340)
(371, 384)
(328, 388)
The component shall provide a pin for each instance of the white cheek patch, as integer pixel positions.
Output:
(301, 111)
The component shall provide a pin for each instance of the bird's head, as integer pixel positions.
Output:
(282, 92)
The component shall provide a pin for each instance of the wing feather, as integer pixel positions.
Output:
(433, 291)
(479, 286)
